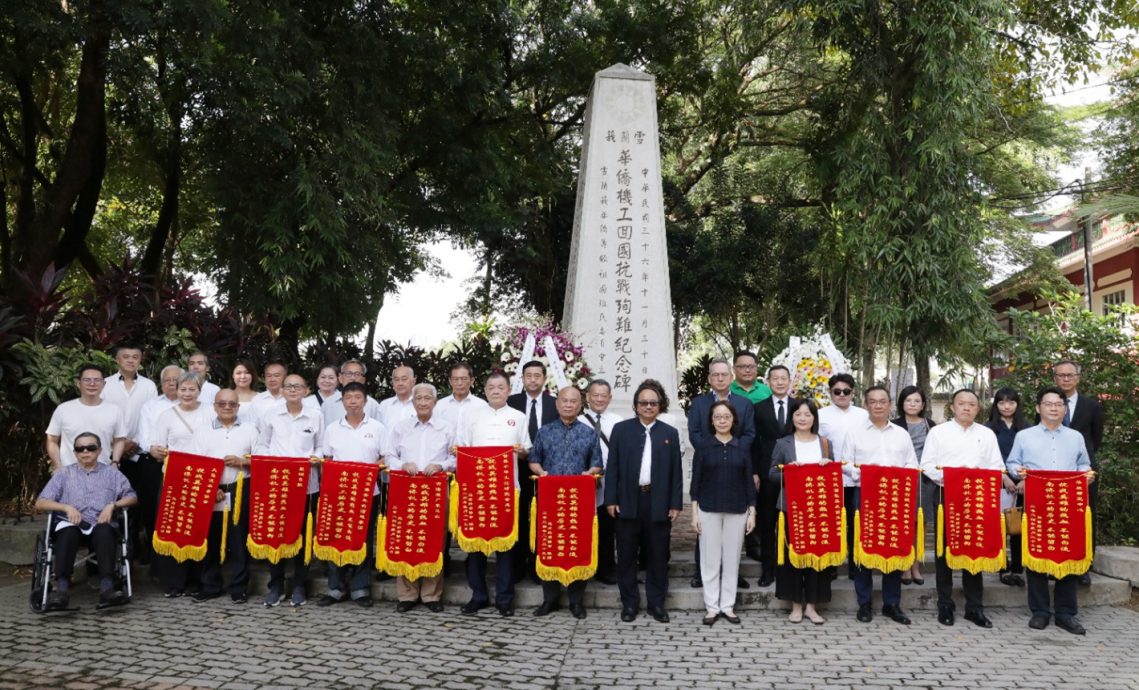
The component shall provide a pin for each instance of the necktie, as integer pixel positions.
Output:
(779, 415)
(533, 419)
(1067, 412)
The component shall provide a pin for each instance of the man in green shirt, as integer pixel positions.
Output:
(747, 383)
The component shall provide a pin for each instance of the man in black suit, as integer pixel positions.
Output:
(540, 408)
(643, 493)
(771, 424)
(1084, 414)
(700, 431)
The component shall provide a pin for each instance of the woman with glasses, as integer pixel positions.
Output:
(803, 587)
(1006, 419)
(913, 416)
(723, 510)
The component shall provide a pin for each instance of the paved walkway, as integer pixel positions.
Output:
(159, 643)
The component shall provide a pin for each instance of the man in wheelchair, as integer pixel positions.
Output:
(84, 498)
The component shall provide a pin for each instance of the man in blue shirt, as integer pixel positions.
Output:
(565, 447)
(1050, 446)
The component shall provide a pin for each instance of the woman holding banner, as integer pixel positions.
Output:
(723, 510)
(803, 587)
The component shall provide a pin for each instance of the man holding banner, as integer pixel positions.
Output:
(871, 446)
(1039, 455)
(564, 448)
(960, 442)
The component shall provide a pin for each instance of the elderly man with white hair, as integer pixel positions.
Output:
(421, 446)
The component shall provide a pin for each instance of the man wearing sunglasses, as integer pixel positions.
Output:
(836, 421)
(86, 495)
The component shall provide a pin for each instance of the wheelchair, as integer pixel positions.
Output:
(43, 578)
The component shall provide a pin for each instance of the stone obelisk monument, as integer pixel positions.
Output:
(617, 293)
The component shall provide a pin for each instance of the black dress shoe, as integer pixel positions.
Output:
(628, 615)
(205, 596)
(546, 609)
(117, 598)
(1039, 621)
(710, 619)
(766, 579)
(364, 602)
(741, 583)
(979, 619)
(731, 618)
(505, 611)
(578, 611)
(405, 606)
(945, 615)
(895, 614)
(696, 581)
(1085, 581)
(607, 579)
(435, 606)
(865, 614)
(328, 600)
(659, 614)
(472, 607)
(1071, 625)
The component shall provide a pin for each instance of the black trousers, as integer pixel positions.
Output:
(1038, 599)
(300, 570)
(767, 515)
(503, 579)
(145, 477)
(67, 541)
(629, 534)
(606, 543)
(973, 586)
(552, 591)
(236, 552)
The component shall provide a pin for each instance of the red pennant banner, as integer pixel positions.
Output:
(1057, 525)
(970, 526)
(564, 529)
(278, 491)
(816, 535)
(344, 511)
(484, 504)
(189, 491)
(410, 536)
(886, 524)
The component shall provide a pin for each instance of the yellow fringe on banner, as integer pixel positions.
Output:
(1071, 567)
(399, 568)
(814, 562)
(485, 546)
(940, 530)
(578, 572)
(224, 535)
(335, 555)
(533, 523)
(237, 498)
(919, 552)
(781, 531)
(308, 538)
(273, 554)
(980, 565)
(178, 553)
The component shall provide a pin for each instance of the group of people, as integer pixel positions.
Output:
(742, 432)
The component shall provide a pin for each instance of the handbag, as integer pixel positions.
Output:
(1012, 520)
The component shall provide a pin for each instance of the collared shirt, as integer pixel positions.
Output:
(562, 449)
(721, 477)
(363, 443)
(217, 441)
(605, 421)
(421, 444)
(759, 392)
(1071, 401)
(292, 436)
(866, 444)
(88, 491)
(952, 445)
(455, 412)
(331, 408)
(261, 405)
(1041, 448)
(835, 423)
(129, 401)
(175, 428)
(487, 426)
(148, 418)
(209, 392)
(391, 411)
(646, 476)
(73, 418)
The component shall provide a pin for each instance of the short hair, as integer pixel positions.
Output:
(90, 366)
(959, 391)
(462, 365)
(426, 387)
(168, 367)
(794, 407)
(744, 353)
(840, 378)
(190, 376)
(598, 382)
(199, 352)
(1067, 361)
(363, 367)
(85, 434)
(534, 363)
(276, 363)
(775, 367)
(731, 408)
(718, 360)
(333, 367)
(497, 374)
(876, 387)
(907, 392)
(249, 366)
(1049, 389)
(125, 345)
(354, 387)
(654, 386)
(401, 365)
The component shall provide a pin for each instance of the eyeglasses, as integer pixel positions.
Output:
(1066, 376)
(721, 418)
(648, 403)
(841, 391)
(1051, 403)
(87, 449)
(352, 374)
(226, 403)
(294, 387)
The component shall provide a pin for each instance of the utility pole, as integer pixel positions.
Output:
(1089, 272)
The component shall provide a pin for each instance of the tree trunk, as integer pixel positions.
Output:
(921, 370)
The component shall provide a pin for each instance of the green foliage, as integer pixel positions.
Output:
(1107, 348)
(50, 371)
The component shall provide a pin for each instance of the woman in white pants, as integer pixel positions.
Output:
(723, 511)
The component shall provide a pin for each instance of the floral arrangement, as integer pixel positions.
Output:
(812, 361)
(570, 354)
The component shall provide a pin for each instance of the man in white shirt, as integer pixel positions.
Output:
(292, 430)
(129, 390)
(960, 442)
(835, 421)
(226, 437)
(494, 424)
(272, 397)
(421, 446)
(399, 407)
(87, 414)
(876, 442)
(199, 363)
(454, 408)
(145, 471)
(598, 395)
(355, 437)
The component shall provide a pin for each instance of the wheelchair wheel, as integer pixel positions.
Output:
(39, 575)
